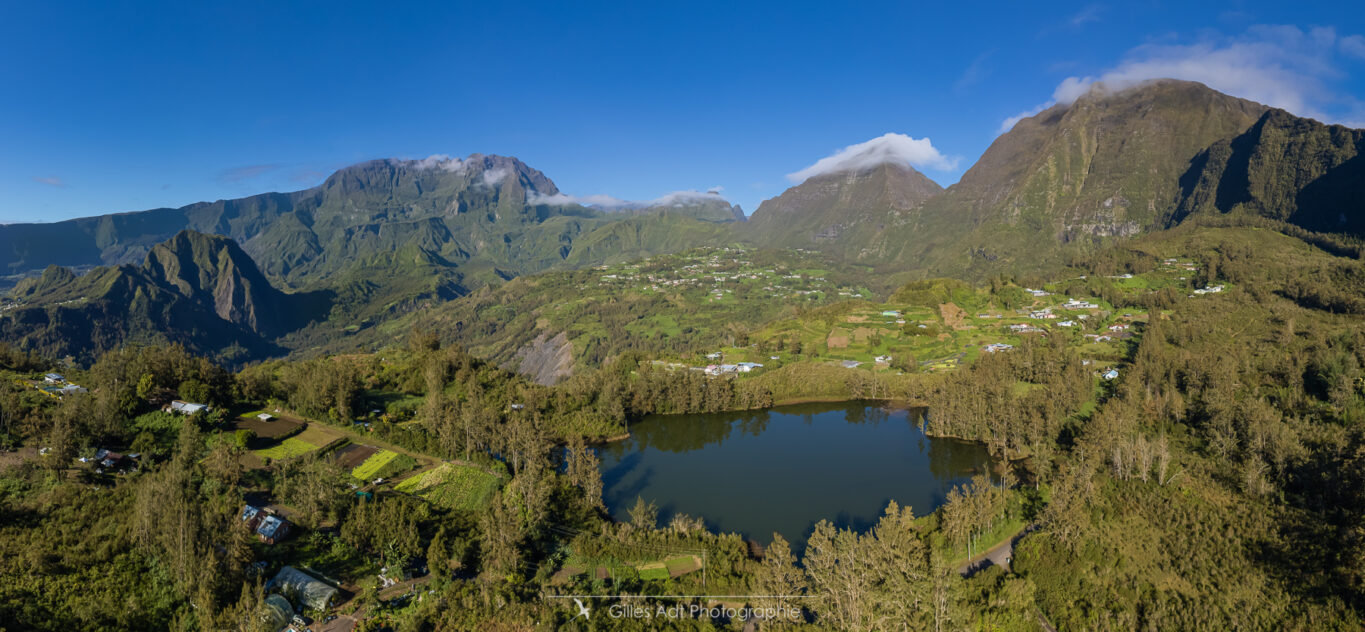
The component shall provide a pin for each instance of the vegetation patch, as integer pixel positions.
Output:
(383, 464)
(287, 449)
(453, 486)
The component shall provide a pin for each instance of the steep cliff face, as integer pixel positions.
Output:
(198, 290)
(215, 272)
(1072, 177)
(545, 360)
(1286, 168)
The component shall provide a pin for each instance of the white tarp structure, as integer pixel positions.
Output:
(302, 588)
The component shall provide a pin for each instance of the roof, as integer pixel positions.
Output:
(303, 588)
(276, 612)
(189, 408)
(53, 376)
(250, 512)
(272, 526)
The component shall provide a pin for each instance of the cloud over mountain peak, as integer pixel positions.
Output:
(890, 148)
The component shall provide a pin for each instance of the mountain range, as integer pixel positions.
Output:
(242, 278)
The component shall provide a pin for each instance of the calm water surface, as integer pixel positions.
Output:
(784, 469)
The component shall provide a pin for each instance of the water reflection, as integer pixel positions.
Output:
(785, 469)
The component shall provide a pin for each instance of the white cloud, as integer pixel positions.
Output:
(1353, 46)
(1008, 124)
(1281, 66)
(610, 203)
(438, 161)
(892, 148)
(494, 177)
(1089, 14)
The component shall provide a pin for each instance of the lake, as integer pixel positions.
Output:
(784, 469)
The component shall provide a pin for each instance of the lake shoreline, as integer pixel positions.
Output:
(735, 469)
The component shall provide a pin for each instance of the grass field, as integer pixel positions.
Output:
(374, 465)
(453, 486)
(287, 449)
(653, 570)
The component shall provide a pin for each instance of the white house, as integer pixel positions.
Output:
(883, 359)
(53, 378)
(1110, 374)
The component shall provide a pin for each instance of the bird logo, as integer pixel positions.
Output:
(582, 610)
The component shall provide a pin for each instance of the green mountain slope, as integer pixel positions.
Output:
(202, 291)
(1286, 168)
(842, 212)
(1074, 176)
(484, 210)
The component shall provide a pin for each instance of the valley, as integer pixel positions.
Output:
(1122, 359)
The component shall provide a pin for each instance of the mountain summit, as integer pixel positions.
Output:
(842, 210)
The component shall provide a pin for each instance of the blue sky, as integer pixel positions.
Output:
(129, 106)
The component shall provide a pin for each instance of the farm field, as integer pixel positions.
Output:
(383, 464)
(266, 429)
(287, 449)
(453, 486)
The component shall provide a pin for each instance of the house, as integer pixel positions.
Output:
(273, 529)
(1072, 303)
(107, 460)
(745, 367)
(265, 417)
(72, 389)
(186, 408)
(1209, 290)
(518, 406)
(308, 591)
(1118, 327)
(997, 346)
(1067, 323)
(1041, 314)
(714, 356)
(882, 359)
(850, 364)
(1110, 374)
(252, 516)
(54, 378)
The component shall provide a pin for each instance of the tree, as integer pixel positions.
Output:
(644, 515)
(838, 577)
(584, 471)
(779, 581)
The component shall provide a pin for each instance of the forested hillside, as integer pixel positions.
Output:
(1217, 479)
